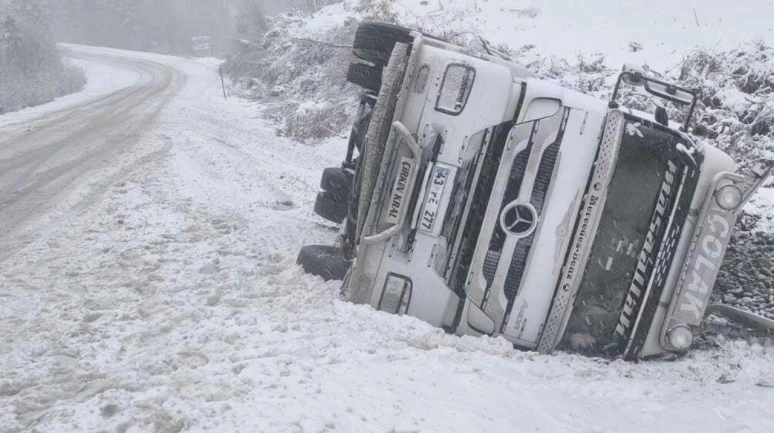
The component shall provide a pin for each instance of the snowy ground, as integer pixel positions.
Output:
(173, 305)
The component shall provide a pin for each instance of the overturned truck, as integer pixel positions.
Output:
(486, 201)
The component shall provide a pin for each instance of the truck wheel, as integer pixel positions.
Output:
(336, 181)
(324, 261)
(367, 77)
(330, 207)
(374, 42)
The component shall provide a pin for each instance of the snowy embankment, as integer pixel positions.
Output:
(173, 304)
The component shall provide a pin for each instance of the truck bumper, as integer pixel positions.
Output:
(724, 200)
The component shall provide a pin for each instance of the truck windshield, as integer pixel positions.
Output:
(640, 203)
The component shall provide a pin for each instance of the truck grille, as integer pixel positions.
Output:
(479, 203)
(541, 130)
(511, 193)
(539, 193)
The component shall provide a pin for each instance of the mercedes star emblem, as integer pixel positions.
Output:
(519, 219)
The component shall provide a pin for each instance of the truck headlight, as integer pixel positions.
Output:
(729, 197)
(396, 294)
(680, 337)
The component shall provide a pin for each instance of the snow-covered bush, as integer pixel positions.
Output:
(31, 70)
(299, 71)
(73, 79)
(737, 104)
(378, 10)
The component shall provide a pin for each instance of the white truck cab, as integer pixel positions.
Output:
(487, 201)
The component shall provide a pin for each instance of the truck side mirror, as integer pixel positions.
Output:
(634, 76)
(669, 92)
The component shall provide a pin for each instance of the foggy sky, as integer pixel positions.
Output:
(164, 26)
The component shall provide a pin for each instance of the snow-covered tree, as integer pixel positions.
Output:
(31, 70)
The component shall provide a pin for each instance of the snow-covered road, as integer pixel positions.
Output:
(168, 301)
(46, 160)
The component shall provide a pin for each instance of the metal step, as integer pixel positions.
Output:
(745, 318)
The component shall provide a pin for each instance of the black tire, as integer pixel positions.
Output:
(324, 261)
(332, 208)
(367, 77)
(374, 42)
(336, 181)
(360, 127)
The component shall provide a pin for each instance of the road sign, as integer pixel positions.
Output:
(201, 44)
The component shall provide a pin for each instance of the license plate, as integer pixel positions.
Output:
(430, 212)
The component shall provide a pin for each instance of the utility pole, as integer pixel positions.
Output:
(223, 83)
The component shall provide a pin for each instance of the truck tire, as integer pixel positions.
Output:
(323, 261)
(374, 42)
(337, 182)
(367, 77)
(330, 207)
